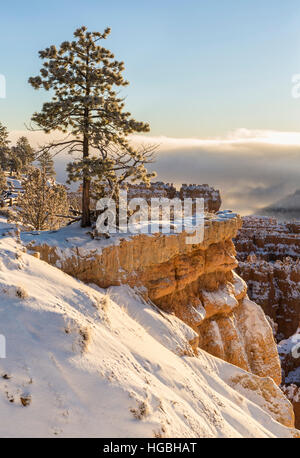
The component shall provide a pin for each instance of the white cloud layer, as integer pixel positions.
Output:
(252, 168)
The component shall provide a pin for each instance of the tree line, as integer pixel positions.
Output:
(18, 159)
(41, 198)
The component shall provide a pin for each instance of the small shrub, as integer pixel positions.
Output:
(6, 376)
(25, 400)
(103, 307)
(105, 303)
(10, 397)
(142, 411)
(21, 293)
(85, 338)
(160, 433)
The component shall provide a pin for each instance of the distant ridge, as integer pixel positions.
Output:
(285, 209)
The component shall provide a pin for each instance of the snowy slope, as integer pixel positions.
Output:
(91, 363)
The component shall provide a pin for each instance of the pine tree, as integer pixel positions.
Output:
(4, 147)
(46, 164)
(14, 162)
(3, 183)
(21, 156)
(41, 204)
(85, 106)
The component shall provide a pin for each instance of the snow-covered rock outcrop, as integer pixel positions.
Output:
(195, 282)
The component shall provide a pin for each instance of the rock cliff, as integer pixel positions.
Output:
(196, 282)
(268, 253)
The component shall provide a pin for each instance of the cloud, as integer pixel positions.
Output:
(252, 168)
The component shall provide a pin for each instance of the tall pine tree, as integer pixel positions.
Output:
(84, 76)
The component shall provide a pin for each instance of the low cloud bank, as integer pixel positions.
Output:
(252, 169)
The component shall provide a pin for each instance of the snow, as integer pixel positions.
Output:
(74, 235)
(220, 298)
(14, 183)
(286, 346)
(104, 363)
(291, 347)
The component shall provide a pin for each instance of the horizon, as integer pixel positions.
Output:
(252, 169)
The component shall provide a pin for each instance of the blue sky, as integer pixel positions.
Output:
(219, 70)
(197, 68)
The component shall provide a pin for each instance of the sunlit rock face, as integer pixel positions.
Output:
(264, 387)
(196, 282)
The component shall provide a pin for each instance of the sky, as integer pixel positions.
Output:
(198, 71)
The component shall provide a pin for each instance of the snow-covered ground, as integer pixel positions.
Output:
(81, 361)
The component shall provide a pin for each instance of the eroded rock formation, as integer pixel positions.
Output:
(289, 352)
(211, 196)
(269, 253)
(268, 239)
(196, 282)
(159, 189)
(276, 287)
(292, 392)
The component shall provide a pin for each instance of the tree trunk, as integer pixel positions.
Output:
(86, 217)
